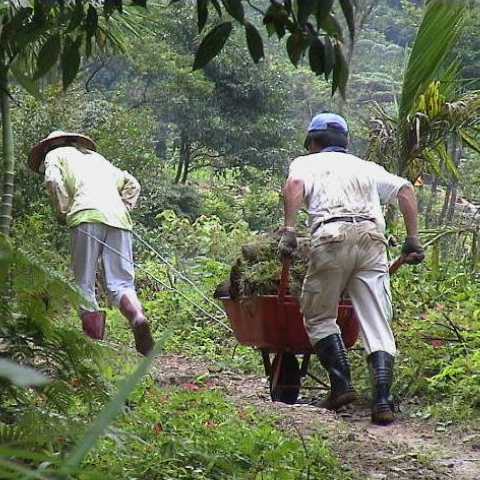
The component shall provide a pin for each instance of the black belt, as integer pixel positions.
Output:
(348, 219)
(344, 219)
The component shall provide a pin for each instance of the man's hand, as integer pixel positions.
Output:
(61, 218)
(412, 251)
(287, 244)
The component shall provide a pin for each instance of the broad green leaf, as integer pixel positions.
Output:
(316, 56)
(323, 9)
(288, 4)
(212, 44)
(91, 27)
(295, 47)
(217, 6)
(21, 375)
(70, 61)
(109, 7)
(48, 55)
(91, 22)
(39, 13)
(16, 22)
(347, 9)
(235, 9)
(254, 42)
(78, 15)
(275, 18)
(270, 26)
(329, 57)
(25, 81)
(139, 3)
(305, 9)
(340, 72)
(332, 27)
(202, 13)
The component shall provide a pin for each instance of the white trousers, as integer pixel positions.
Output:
(352, 257)
(85, 253)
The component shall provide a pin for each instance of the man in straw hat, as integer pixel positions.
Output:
(94, 198)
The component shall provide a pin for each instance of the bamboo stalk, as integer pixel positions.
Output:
(6, 202)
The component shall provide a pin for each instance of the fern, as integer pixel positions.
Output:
(36, 329)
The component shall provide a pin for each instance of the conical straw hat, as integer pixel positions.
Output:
(57, 138)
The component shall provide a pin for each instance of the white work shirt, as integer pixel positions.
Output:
(85, 187)
(339, 184)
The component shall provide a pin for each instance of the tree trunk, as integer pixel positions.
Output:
(456, 154)
(453, 202)
(431, 202)
(448, 210)
(6, 204)
(446, 203)
(186, 163)
(475, 251)
(178, 175)
(184, 159)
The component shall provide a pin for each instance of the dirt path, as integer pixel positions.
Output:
(410, 449)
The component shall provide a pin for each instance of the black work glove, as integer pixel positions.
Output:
(287, 245)
(412, 251)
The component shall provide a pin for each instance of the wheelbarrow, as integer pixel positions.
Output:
(274, 325)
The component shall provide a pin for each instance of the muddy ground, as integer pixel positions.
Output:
(410, 449)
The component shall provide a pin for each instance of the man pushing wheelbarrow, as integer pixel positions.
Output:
(344, 196)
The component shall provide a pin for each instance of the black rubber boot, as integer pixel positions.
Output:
(381, 370)
(333, 356)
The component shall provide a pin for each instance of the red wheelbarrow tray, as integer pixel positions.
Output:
(275, 324)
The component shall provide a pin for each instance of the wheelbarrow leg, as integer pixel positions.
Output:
(275, 372)
(267, 363)
(285, 378)
(304, 366)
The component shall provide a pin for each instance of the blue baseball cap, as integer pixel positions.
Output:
(323, 120)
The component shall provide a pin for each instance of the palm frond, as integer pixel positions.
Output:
(447, 160)
(470, 141)
(440, 29)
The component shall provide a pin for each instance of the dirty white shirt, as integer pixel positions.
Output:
(339, 184)
(85, 187)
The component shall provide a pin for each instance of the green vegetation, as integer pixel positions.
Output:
(210, 149)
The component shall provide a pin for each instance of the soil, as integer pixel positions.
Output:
(409, 449)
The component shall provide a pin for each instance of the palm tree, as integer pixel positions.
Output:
(431, 111)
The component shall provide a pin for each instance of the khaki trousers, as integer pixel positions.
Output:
(352, 257)
(86, 251)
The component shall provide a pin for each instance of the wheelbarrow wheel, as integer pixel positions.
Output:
(286, 370)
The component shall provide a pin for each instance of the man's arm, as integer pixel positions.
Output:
(55, 185)
(293, 194)
(407, 203)
(130, 190)
(412, 250)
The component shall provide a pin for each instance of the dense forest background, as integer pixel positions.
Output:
(211, 149)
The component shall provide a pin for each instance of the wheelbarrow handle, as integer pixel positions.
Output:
(396, 264)
(284, 277)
